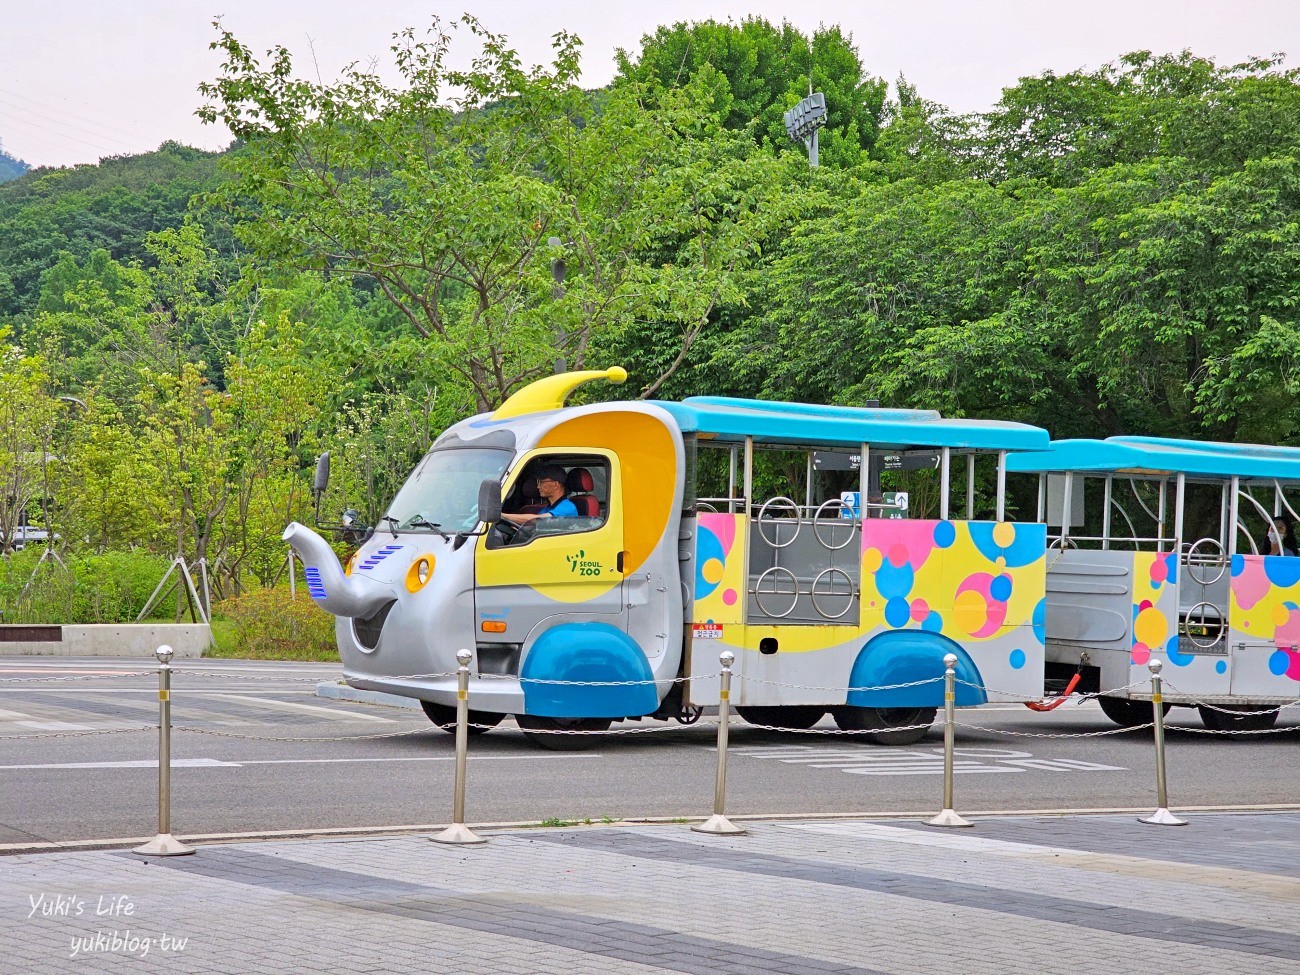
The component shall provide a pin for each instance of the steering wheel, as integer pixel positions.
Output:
(512, 534)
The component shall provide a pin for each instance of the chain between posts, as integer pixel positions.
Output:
(79, 734)
(41, 680)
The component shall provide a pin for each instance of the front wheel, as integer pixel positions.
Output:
(891, 726)
(1239, 718)
(444, 716)
(557, 734)
(1129, 714)
(799, 717)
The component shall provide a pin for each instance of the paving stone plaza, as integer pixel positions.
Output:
(1038, 895)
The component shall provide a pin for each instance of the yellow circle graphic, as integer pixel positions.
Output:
(1151, 627)
(712, 571)
(970, 611)
(1004, 533)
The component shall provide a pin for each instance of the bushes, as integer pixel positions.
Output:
(114, 586)
(108, 588)
(266, 624)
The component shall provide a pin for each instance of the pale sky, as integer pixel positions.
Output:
(82, 79)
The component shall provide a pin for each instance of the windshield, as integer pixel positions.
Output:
(442, 493)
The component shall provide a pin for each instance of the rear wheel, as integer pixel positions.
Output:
(1239, 718)
(892, 726)
(797, 717)
(1129, 714)
(444, 716)
(550, 733)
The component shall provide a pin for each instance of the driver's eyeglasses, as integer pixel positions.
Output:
(544, 480)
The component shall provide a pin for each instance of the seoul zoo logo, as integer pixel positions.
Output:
(580, 565)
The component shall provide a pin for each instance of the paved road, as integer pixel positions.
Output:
(73, 782)
(1019, 896)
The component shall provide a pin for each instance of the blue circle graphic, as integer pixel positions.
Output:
(1000, 588)
(945, 533)
(897, 612)
(1017, 659)
(1278, 662)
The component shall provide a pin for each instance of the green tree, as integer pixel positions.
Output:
(110, 491)
(1064, 128)
(28, 418)
(448, 209)
(111, 206)
(754, 72)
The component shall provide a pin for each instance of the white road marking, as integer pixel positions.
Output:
(416, 758)
(52, 726)
(218, 763)
(175, 763)
(872, 760)
(334, 713)
(176, 692)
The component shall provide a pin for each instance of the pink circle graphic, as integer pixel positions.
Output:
(972, 600)
(920, 610)
(1140, 654)
(729, 597)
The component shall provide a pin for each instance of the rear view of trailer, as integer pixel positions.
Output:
(1158, 548)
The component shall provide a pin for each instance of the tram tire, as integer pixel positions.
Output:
(549, 733)
(444, 716)
(1128, 714)
(795, 717)
(1242, 718)
(890, 725)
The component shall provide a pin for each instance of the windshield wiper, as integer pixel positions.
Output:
(392, 524)
(419, 521)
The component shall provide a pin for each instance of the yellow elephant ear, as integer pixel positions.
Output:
(551, 392)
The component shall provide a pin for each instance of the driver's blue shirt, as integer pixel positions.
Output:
(564, 508)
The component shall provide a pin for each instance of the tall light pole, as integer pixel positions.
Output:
(803, 121)
(558, 271)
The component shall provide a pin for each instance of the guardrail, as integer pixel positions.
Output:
(165, 844)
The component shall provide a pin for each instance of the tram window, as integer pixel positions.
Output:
(581, 501)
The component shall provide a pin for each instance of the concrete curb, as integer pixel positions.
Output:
(342, 692)
(345, 833)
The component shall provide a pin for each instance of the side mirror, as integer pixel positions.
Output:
(489, 501)
(322, 479)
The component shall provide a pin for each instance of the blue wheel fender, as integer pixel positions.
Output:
(587, 652)
(902, 656)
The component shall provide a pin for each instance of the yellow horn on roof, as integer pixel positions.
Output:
(551, 392)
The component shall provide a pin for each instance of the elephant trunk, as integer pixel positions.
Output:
(330, 589)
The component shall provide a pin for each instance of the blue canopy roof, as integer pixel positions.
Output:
(1154, 456)
(732, 420)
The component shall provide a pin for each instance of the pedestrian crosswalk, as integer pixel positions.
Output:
(868, 759)
(73, 709)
